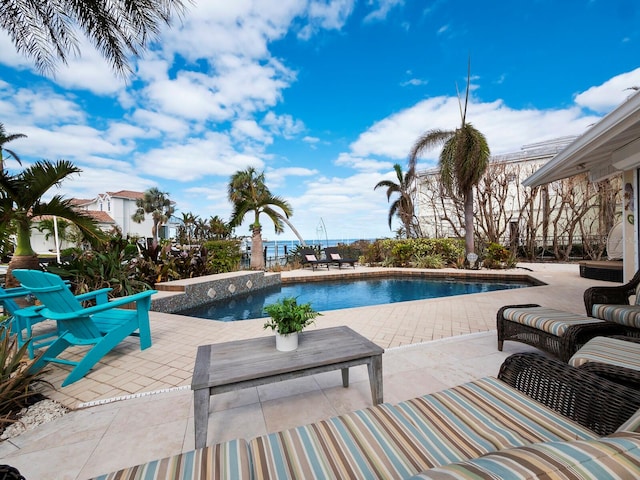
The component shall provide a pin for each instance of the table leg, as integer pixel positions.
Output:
(201, 415)
(375, 379)
(345, 377)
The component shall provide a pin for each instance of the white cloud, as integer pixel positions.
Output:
(282, 125)
(196, 158)
(382, 9)
(603, 98)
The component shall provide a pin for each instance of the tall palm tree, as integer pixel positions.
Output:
(4, 139)
(45, 29)
(463, 160)
(189, 223)
(157, 204)
(248, 193)
(21, 201)
(402, 207)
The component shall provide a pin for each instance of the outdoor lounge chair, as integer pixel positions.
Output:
(309, 258)
(612, 304)
(554, 331)
(333, 255)
(615, 358)
(100, 327)
(22, 325)
(536, 402)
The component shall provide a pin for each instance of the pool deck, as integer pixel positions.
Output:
(135, 406)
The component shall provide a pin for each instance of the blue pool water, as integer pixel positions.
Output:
(334, 295)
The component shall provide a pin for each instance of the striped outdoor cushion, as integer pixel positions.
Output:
(615, 457)
(484, 416)
(611, 351)
(628, 315)
(547, 319)
(229, 460)
(375, 442)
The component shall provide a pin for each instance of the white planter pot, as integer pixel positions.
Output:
(286, 343)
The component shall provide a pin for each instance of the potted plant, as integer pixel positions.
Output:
(288, 318)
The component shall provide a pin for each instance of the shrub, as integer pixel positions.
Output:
(497, 256)
(16, 382)
(428, 261)
(223, 255)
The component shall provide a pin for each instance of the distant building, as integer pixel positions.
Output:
(437, 215)
(111, 210)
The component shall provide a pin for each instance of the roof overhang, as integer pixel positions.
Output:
(612, 145)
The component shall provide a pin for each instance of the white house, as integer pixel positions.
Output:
(609, 147)
(111, 210)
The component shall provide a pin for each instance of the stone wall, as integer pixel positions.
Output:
(182, 294)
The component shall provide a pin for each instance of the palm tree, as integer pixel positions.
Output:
(6, 138)
(463, 160)
(189, 223)
(21, 201)
(160, 207)
(248, 193)
(402, 207)
(218, 228)
(45, 30)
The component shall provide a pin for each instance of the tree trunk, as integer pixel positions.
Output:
(468, 223)
(29, 262)
(257, 256)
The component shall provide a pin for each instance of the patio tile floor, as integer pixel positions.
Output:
(136, 406)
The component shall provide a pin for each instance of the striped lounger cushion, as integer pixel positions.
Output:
(397, 442)
(615, 457)
(547, 319)
(484, 416)
(611, 351)
(229, 460)
(628, 315)
(375, 442)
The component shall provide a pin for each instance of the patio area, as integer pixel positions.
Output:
(136, 406)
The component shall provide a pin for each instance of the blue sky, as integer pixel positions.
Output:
(324, 97)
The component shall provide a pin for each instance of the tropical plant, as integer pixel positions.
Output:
(45, 30)
(288, 316)
(157, 204)
(16, 380)
(248, 193)
(463, 161)
(48, 227)
(21, 202)
(6, 138)
(402, 207)
(111, 265)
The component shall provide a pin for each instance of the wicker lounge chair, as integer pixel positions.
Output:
(333, 255)
(618, 295)
(612, 304)
(554, 331)
(616, 358)
(537, 401)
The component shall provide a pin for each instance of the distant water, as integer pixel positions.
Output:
(278, 246)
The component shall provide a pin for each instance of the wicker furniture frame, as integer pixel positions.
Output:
(615, 373)
(562, 347)
(618, 295)
(588, 399)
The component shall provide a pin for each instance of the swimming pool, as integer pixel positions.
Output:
(339, 294)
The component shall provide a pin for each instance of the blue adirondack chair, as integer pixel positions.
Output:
(100, 327)
(22, 324)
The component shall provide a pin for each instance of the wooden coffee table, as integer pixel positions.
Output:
(229, 366)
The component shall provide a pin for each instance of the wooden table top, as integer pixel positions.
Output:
(241, 360)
